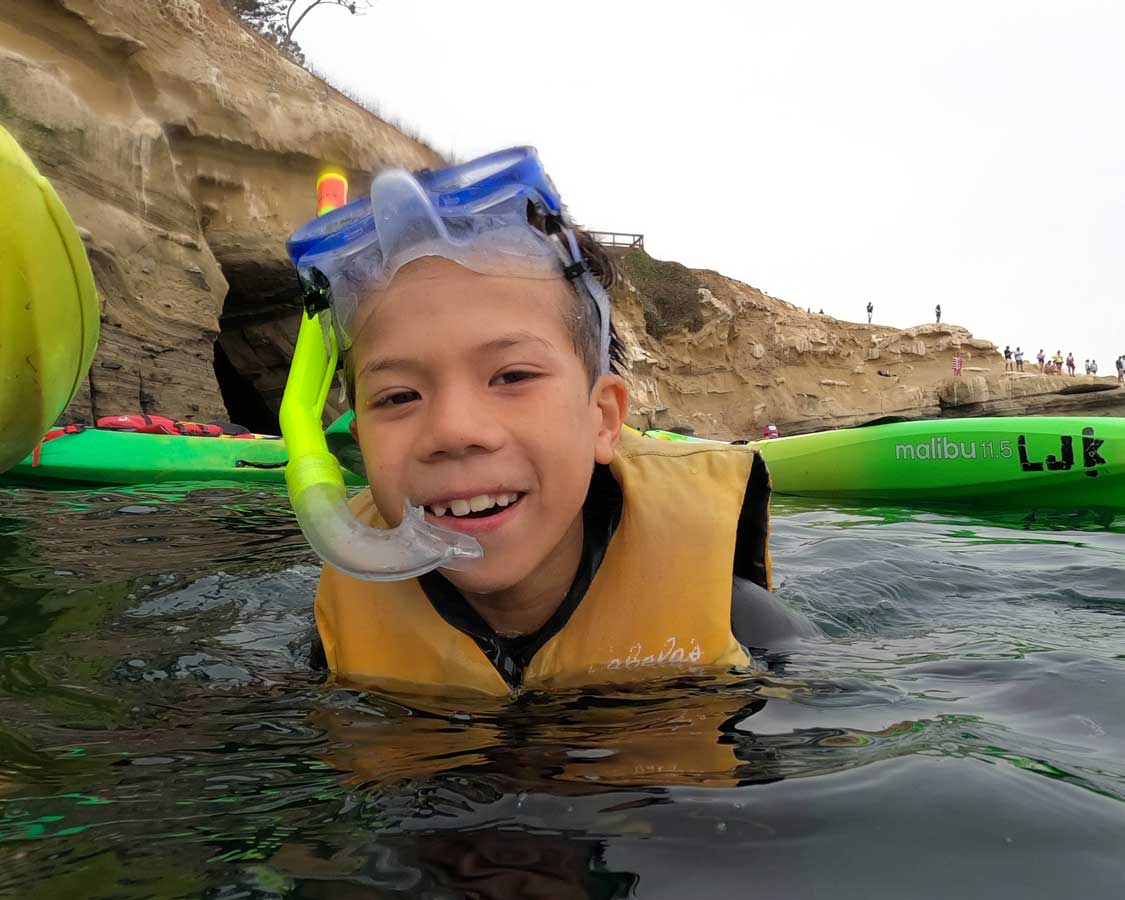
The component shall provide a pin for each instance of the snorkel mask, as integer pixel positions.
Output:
(497, 215)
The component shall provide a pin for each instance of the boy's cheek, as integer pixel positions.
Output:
(388, 502)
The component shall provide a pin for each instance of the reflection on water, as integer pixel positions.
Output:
(958, 732)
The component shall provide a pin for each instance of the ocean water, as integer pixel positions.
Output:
(959, 731)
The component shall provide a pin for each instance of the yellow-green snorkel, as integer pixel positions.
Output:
(316, 484)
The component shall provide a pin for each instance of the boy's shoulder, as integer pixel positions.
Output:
(634, 444)
(641, 460)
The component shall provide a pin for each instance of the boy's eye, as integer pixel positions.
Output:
(516, 375)
(396, 399)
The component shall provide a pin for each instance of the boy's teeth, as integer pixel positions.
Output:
(475, 504)
(459, 507)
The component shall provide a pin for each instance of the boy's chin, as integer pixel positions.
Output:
(487, 577)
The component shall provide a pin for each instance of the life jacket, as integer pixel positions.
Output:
(199, 429)
(659, 605)
(146, 424)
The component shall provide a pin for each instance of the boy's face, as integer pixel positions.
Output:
(469, 391)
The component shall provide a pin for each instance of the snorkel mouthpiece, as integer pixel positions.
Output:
(316, 485)
(412, 548)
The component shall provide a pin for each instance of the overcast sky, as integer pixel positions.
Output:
(967, 153)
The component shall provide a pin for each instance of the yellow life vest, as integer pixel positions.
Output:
(659, 605)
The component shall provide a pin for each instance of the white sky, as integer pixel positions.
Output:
(828, 153)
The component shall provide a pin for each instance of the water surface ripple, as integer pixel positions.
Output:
(959, 731)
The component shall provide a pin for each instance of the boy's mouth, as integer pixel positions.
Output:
(481, 506)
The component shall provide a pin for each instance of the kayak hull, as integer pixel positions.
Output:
(1020, 462)
(1017, 463)
(105, 457)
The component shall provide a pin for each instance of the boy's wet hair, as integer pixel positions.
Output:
(580, 315)
(582, 320)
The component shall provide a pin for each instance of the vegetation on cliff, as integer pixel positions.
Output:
(669, 292)
(278, 20)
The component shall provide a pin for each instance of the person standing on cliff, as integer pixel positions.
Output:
(1093, 367)
(1121, 368)
(870, 311)
(1070, 362)
(1042, 357)
(957, 363)
(937, 313)
(1008, 358)
(1019, 359)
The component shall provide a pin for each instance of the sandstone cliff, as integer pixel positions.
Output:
(186, 148)
(719, 358)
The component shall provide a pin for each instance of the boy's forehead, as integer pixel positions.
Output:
(436, 279)
(434, 288)
(435, 302)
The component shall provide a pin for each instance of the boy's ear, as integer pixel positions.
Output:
(352, 428)
(611, 396)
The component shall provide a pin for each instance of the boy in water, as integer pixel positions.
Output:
(479, 369)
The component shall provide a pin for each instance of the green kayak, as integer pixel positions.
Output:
(1020, 462)
(105, 457)
(1015, 463)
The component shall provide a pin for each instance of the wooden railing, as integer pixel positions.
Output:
(618, 239)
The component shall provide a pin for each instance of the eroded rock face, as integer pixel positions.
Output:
(741, 359)
(186, 148)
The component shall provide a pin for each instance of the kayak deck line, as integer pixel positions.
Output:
(95, 456)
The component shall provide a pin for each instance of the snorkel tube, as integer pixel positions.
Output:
(316, 485)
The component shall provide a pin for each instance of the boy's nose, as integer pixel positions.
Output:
(461, 423)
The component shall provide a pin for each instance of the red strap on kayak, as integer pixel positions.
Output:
(50, 436)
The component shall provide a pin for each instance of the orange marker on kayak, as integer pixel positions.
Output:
(331, 191)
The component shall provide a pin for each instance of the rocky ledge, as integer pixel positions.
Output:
(186, 148)
(718, 358)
